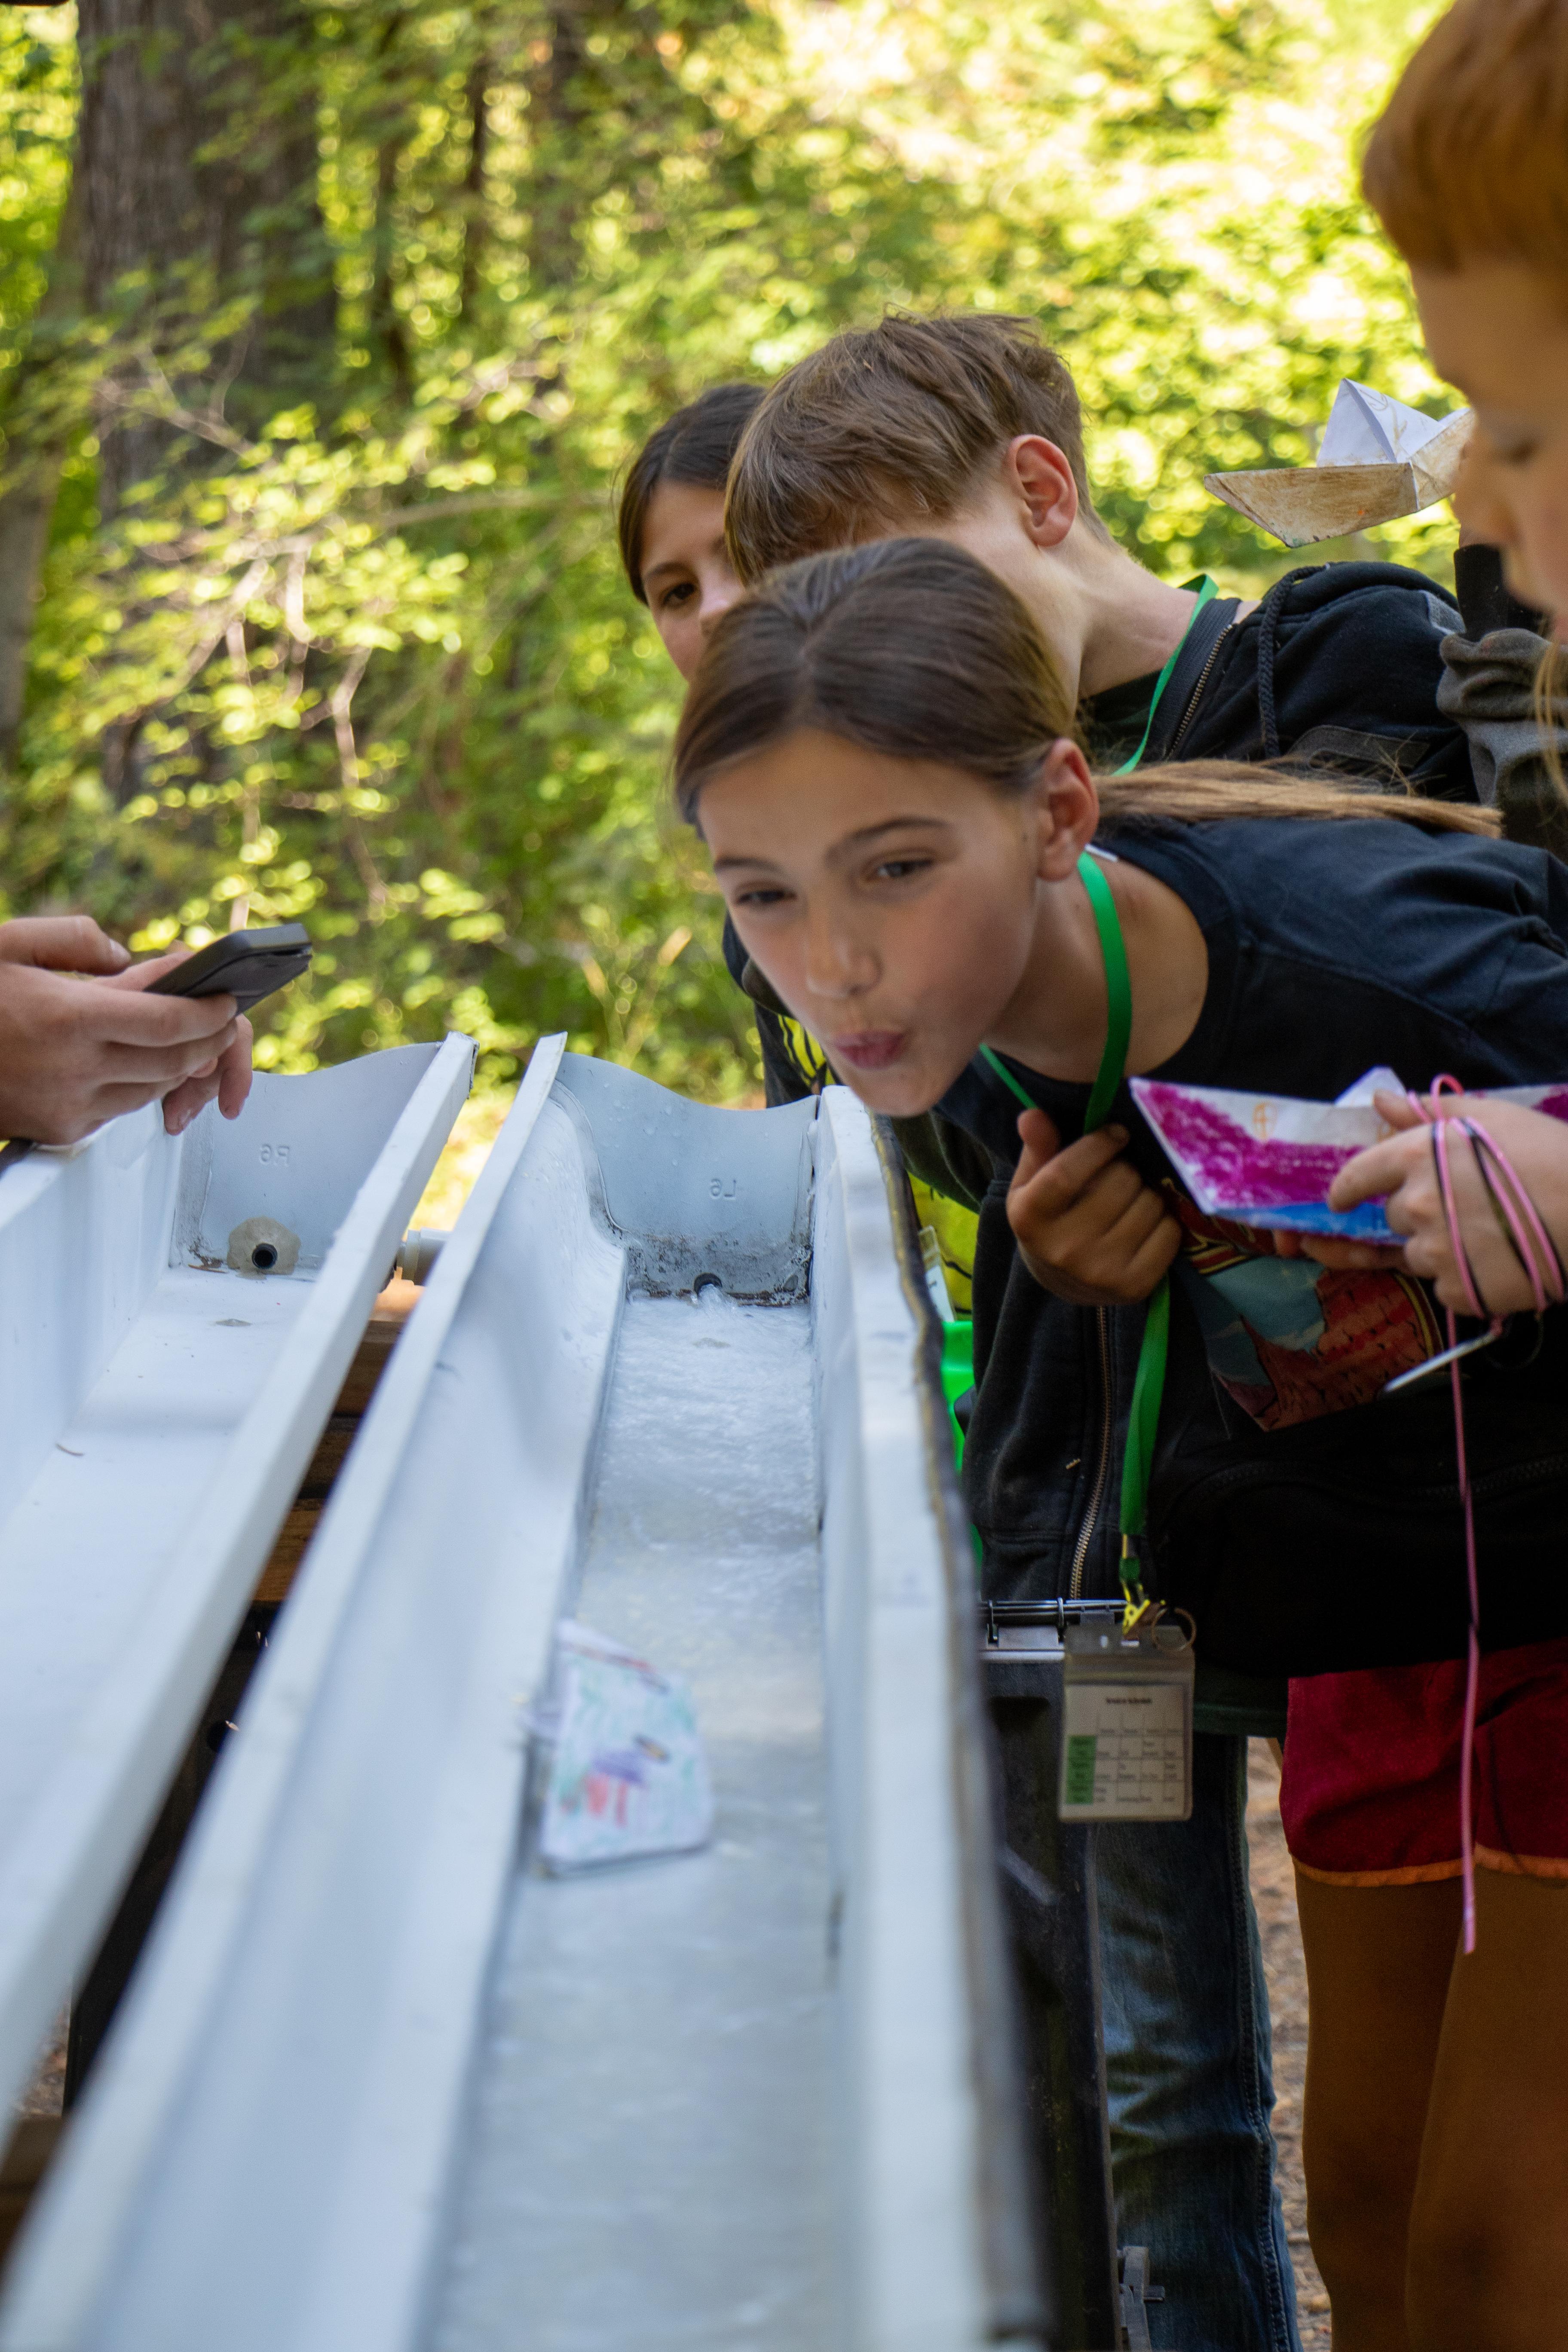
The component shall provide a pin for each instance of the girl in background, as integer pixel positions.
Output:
(670, 525)
(671, 519)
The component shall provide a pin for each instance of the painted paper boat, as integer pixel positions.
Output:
(1269, 1159)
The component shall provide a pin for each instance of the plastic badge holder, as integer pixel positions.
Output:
(1127, 1724)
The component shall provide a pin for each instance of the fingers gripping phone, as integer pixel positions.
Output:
(246, 965)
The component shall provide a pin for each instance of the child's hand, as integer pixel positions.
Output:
(1403, 1166)
(1340, 1256)
(1090, 1230)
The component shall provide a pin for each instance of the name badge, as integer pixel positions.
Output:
(1127, 1724)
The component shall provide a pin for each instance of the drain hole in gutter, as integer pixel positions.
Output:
(705, 1282)
(264, 1257)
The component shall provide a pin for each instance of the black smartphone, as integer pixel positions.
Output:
(247, 965)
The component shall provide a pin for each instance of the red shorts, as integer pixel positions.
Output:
(1371, 1790)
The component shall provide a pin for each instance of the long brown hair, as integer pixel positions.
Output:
(912, 647)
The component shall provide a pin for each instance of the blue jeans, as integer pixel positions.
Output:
(1187, 2064)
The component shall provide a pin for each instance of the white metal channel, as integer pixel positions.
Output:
(160, 1411)
(914, 2175)
(286, 2144)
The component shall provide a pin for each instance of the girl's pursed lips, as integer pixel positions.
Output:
(867, 1049)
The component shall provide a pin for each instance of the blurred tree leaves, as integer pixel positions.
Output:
(362, 655)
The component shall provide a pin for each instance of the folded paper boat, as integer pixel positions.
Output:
(628, 1776)
(1269, 1159)
(1377, 459)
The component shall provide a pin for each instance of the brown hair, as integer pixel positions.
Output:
(912, 647)
(1469, 160)
(892, 424)
(696, 446)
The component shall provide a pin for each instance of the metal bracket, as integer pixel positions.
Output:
(1136, 2295)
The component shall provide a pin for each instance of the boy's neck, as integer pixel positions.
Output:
(1130, 622)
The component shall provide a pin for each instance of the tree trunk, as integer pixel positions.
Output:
(203, 192)
(474, 220)
(34, 451)
(386, 327)
(557, 111)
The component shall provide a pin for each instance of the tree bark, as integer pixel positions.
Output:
(34, 451)
(557, 110)
(164, 82)
(386, 326)
(474, 192)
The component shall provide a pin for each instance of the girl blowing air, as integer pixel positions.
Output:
(881, 764)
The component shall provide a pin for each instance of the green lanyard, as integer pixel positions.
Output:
(1118, 1004)
(1149, 1380)
(1207, 591)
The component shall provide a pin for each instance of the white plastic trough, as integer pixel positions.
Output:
(159, 1411)
(380, 2084)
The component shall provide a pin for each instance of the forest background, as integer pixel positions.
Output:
(327, 332)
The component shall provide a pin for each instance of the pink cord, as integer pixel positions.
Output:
(1543, 1271)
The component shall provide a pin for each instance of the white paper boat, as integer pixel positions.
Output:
(1378, 460)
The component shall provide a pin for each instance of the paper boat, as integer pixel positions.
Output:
(1377, 459)
(1269, 1159)
(628, 1776)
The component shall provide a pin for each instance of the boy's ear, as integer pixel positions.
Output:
(1065, 809)
(1041, 480)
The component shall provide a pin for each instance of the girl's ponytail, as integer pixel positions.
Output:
(1206, 792)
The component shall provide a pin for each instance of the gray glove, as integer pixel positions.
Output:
(1489, 688)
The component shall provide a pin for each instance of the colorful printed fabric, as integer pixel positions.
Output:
(1287, 1339)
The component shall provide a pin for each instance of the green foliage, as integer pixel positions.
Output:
(367, 659)
(38, 75)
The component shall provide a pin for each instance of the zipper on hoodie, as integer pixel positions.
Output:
(1103, 1463)
(1196, 696)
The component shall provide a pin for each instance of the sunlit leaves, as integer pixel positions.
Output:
(369, 661)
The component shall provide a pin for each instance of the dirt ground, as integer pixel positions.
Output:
(1274, 1894)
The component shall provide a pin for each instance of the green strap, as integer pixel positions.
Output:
(1148, 1388)
(1117, 994)
(1119, 1004)
(1148, 1380)
(1208, 591)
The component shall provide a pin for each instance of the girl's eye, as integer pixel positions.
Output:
(678, 596)
(899, 869)
(761, 894)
